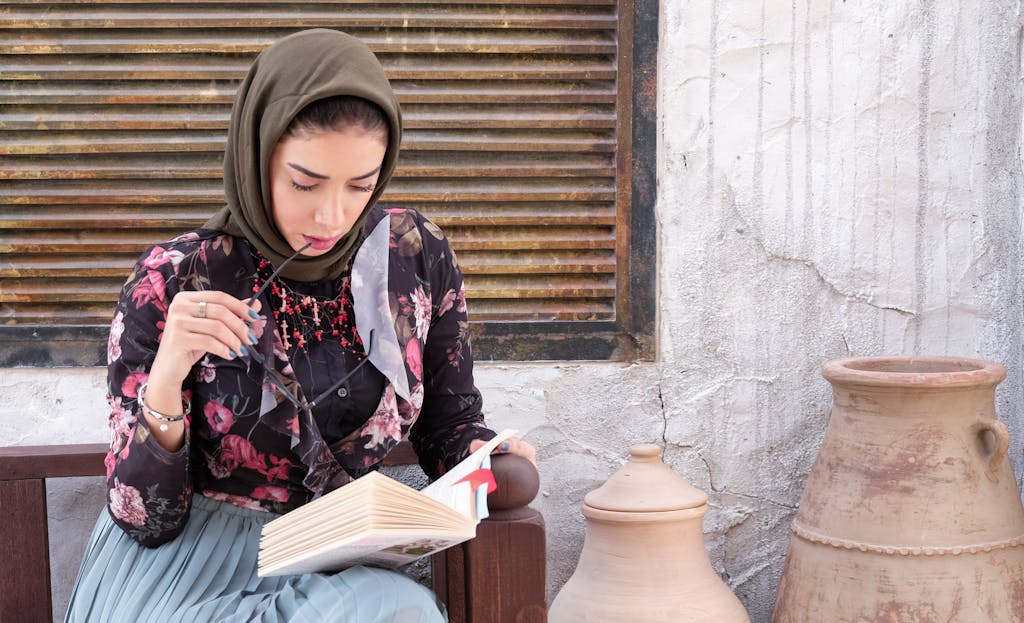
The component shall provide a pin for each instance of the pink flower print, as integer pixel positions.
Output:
(206, 372)
(447, 302)
(110, 462)
(381, 429)
(159, 256)
(267, 492)
(279, 471)
(416, 399)
(121, 419)
(237, 500)
(385, 423)
(461, 307)
(414, 358)
(151, 288)
(236, 451)
(218, 416)
(114, 340)
(127, 505)
(217, 469)
(130, 386)
(126, 450)
(421, 311)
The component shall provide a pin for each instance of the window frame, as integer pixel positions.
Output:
(629, 337)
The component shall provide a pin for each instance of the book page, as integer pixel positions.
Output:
(391, 551)
(459, 495)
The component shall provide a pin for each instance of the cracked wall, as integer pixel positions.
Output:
(835, 178)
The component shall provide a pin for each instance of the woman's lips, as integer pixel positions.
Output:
(320, 244)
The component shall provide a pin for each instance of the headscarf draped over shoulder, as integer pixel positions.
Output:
(288, 75)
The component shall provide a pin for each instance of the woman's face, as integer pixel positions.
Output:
(320, 183)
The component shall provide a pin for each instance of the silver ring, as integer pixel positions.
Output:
(202, 310)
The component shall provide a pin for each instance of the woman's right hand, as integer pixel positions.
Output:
(197, 323)
(208, 321)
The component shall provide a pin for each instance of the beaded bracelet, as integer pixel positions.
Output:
(186, 406)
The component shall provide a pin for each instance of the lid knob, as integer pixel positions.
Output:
(645, 484)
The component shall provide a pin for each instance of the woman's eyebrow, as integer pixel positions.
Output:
(366, 175)
(320, 176)
(306, 171)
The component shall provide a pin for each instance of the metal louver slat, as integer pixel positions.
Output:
(411, 3)
(164, 16)
(113, 118)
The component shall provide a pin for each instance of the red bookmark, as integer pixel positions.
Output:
(482, 476)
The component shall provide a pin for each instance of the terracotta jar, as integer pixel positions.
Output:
(911, 513)
(643, 557)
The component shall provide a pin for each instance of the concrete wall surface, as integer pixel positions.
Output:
(835, 179)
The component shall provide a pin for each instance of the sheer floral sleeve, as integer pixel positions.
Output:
(452, 414)
(149, 489)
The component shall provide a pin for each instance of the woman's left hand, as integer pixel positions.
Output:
(511, 445)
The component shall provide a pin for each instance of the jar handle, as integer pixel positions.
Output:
(994, 439)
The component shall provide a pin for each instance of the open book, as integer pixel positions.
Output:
(379, 521)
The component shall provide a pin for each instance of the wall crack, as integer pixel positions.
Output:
(747, 230)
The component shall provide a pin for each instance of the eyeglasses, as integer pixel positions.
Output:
(276, 378)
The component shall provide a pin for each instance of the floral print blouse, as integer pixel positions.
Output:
(246, 443)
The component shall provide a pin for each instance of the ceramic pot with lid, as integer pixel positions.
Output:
(643, 556)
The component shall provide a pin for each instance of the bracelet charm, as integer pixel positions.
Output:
(165, 420)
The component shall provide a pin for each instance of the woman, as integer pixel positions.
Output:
(277, 353)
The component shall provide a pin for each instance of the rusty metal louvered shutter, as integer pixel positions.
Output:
(113, 119)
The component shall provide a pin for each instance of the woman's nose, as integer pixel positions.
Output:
(331, 213)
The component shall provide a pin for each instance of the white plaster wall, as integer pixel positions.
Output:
(835, 178)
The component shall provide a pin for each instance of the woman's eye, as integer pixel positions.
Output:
(300, 187)
(365, 189)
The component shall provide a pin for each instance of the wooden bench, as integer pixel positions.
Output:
(498, 577)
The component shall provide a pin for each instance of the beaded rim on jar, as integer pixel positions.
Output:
(903, 550)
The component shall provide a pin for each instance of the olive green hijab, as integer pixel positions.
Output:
(290, 74)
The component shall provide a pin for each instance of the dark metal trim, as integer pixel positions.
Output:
(641, 306)
(86, 345)
(53, 346)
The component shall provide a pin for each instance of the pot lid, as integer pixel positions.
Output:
(645, 484)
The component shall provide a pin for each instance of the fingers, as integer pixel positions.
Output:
(519, 447)
(235, 306)
(512, 445)
(210, 322)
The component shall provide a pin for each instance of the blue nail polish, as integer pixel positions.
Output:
(252, 338)
(232, 353)
(244, 351)
(254, 315)
(505, 446)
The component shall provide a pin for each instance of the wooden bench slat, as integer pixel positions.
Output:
(28, 462)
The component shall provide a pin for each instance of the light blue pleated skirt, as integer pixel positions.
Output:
(208, 574)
